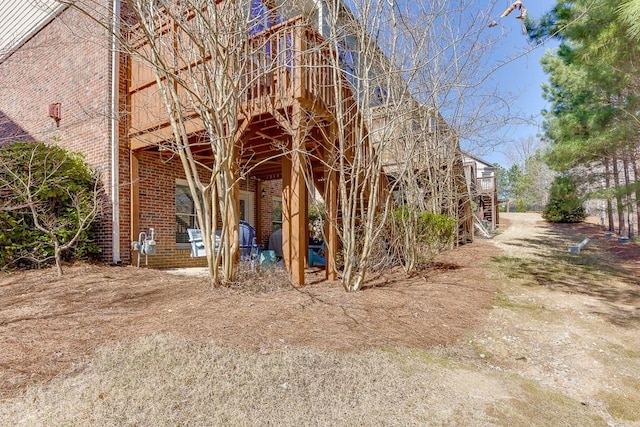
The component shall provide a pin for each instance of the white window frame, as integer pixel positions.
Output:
(183, 183)
(249, 198)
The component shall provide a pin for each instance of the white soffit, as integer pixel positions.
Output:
(21, 19)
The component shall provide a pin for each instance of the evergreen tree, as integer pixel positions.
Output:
(564, 204)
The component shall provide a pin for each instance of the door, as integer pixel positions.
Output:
(247, 207)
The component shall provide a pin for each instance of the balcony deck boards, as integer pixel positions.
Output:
(286, 65)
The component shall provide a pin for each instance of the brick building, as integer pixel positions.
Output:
(60, 58)
(63, 81)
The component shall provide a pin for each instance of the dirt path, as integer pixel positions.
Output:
(568, 322)
(508, 331)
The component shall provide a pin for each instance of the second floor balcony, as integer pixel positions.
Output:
(486, 185)
(279, 66)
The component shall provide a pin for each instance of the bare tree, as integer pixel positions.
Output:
(40, 183)
(405, 65)
(386, 72)
(195, 50)
(198, 54)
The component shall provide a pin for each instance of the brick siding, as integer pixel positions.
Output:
(68, 61)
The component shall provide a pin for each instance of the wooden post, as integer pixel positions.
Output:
(233, 221)
(298, 223)
(258, 216)
(298, 210)
(300, 76)
(306, 223)
(331, 221)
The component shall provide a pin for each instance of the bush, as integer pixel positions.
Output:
(564, 204)
(61, 187)
(419, 236)
(317, 215)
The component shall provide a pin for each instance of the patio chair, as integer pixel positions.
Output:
(247, 235)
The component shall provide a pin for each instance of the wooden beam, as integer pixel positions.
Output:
(285, 122)
(271, 139)
(298, 210)
(240, 130)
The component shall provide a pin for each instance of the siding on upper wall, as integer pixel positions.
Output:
(20, 19)
(483, 168)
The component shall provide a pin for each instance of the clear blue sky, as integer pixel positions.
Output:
(522, 77)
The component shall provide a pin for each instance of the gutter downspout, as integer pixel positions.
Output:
(115, 134)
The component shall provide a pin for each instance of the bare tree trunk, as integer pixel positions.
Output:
(627, 191)
(636, 183)
(57, 253)
(607, 179)
(618, 195)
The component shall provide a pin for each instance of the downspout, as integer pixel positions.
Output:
(115, 134)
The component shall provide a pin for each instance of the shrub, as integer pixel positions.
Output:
(317, 215)
(419, 235)
(48, 197)
(564, 204)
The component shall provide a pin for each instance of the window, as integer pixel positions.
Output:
(247, 207)
(185, 212)
(276, 214)
(243, 210)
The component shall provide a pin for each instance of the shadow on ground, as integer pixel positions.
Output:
(605, 268)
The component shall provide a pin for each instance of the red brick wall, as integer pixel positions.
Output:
(68, 61)
(158, 172)
(273, 189)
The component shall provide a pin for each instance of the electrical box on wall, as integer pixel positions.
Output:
(55, 111)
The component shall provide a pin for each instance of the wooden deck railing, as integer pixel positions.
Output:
(486, 185)
(285, 63)
(289, 62)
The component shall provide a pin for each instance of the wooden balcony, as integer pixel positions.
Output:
(286, 102)
(286, 64)
(486, 185)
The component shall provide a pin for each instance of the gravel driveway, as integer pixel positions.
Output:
(566, 322)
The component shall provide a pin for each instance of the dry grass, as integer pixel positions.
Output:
(169, 380)
(166, 380)
(255, 279)
(541, 407)
(126, 346)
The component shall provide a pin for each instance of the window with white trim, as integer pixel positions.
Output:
(185, 212)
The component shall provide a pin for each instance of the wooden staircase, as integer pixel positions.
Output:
(487, 208)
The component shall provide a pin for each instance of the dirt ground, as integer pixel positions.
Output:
(515, 319)
(50, 323)
(568, 322)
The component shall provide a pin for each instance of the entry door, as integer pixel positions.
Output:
(247, 207)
